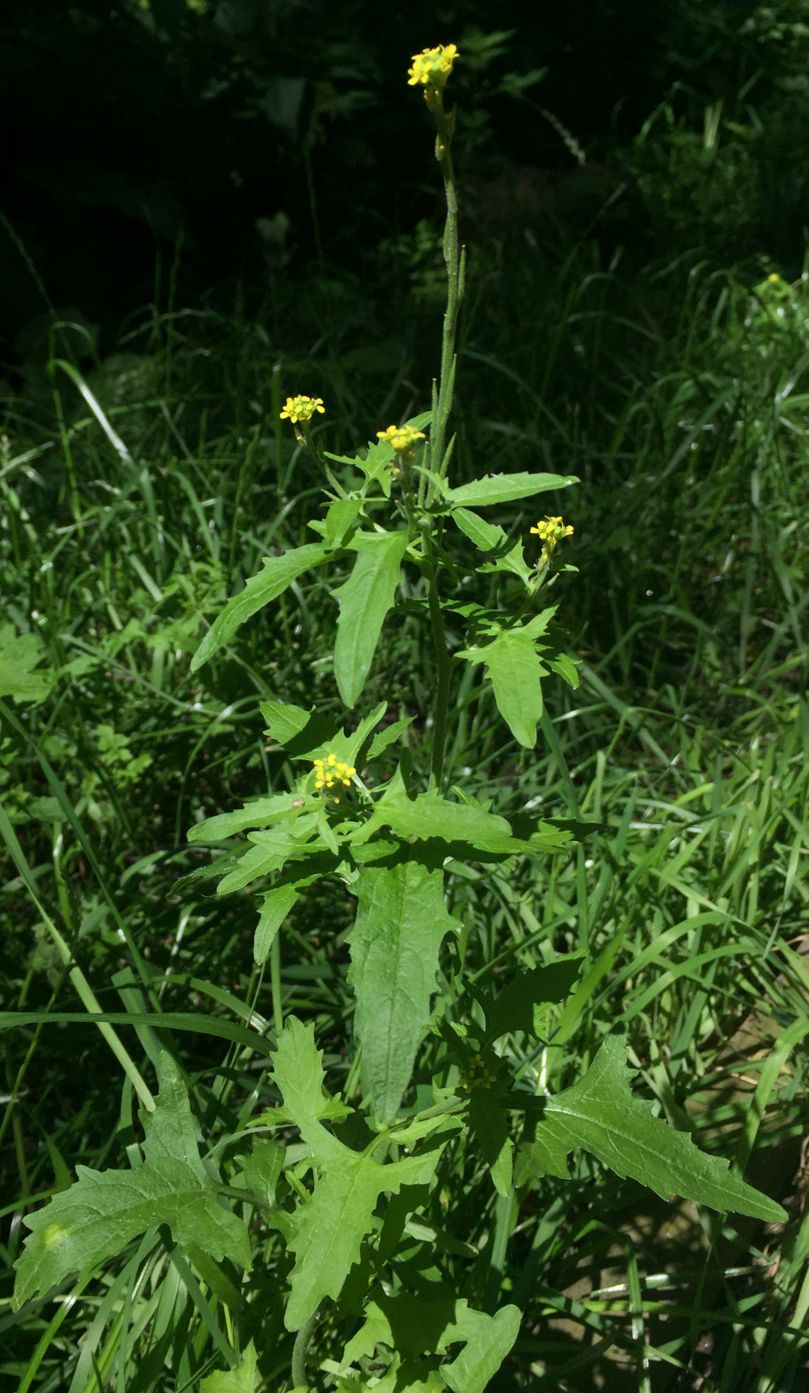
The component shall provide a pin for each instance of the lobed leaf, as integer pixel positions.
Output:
(103, 1211)
(601, 1114)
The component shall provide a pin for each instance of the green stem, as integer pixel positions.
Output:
(443, 662)
(300, 1350)
(443, 398)
(454, 264)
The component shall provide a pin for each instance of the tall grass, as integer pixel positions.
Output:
(132, 487)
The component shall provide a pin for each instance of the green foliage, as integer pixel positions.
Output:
(95, 1219)
(445, 1219)
(400, 926)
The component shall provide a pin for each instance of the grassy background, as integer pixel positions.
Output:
(620, 326)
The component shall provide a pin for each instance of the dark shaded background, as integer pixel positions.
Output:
(155, 147)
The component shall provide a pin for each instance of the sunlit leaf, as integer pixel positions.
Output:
(364, 601)
(245, 1378)
(400, 926)
(601, 1114)
(503, 488)
(103, 1211)
(277, 574)
(326, 1230)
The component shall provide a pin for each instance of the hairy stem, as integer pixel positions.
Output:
(301, 1349)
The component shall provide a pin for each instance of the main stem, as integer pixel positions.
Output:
(443, 397)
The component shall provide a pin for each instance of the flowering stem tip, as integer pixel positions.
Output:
(551, 531)
(301, 408)
(432, 67)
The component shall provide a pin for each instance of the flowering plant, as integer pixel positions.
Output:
(380, 1292)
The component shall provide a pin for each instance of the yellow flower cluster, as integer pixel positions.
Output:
(551, 531)
(432, 66)
(403, 439)
(331, 775)
(301, 408)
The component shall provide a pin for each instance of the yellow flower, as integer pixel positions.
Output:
(403, 439)
(432, 66)
(332, 776)
(773, 278)
(551, 531)
(301, 408)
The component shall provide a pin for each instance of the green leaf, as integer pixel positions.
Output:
(19, 655)
(104, 1210)
(289, 841)
(514, 1007)
(512, 562)
(388, 736)
(489, 1124)
(503, 488)
(515, 673)
(284, 720)
(546, 1155)
(339, 520)
(600, 1114)
(364, 601)
(488, 1340)
(430, 816)
(485, 535)
(326, 1229)
(416, 1326)
(400, 926)
(298, 1072)
(275, 907)
(278, 573)
(245, 1378)
(259, 813)
(261, 1169)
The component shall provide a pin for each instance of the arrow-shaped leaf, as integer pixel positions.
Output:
(327, 1229)
(515, 672)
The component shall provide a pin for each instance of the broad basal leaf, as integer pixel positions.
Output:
(515, 672)
(502, 488)
(104, 1210)
(278, 573)
(601, 1114)
(364, 601)
(400, 925)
